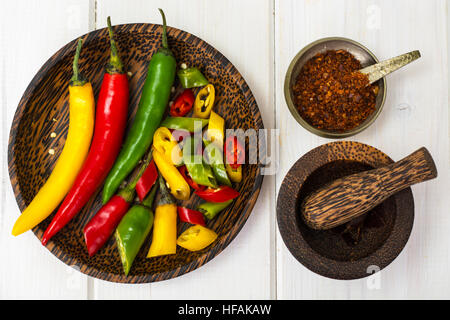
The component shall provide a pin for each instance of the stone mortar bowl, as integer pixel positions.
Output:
(358, 248)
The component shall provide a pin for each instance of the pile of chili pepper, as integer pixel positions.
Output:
(331, 94)
(171, 154)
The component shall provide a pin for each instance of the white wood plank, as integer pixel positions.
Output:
(31, 31)
(415, 115)
(241, 30)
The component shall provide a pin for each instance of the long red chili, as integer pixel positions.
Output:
(110, 123)
(102, 225)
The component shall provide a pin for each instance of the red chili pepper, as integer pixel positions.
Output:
(182, 104)
(234, 152)
(222, 194)
(110, 123)
(191, 216)
(146, 182)
(100, 227)
(104, 222)
(189, 180)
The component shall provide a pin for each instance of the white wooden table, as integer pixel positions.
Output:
(259, 37)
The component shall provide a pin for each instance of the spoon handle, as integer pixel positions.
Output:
(349, 197)
(383, 68)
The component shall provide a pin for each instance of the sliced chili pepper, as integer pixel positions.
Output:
(204, 102)
(211, 209)
(182, 104)
(178, 186)
(187, 177)
(102, 225)
(164, 239)
(235, 174)
(196, 238)
(165, 143)
(191, 77)
(234, 152)
(191, 216)
(76, 146)
(146, 182)
(215, 159)
(179, 135)
(182, 123)
(222, 194)
(198, 169)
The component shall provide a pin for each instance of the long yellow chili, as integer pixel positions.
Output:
(76, 147)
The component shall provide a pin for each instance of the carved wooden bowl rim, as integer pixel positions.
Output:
(216, 248)
(299, 247)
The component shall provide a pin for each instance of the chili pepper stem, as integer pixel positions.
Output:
(115, 64)
(128, 192)
(166, 197)
(77, 79)
(164, 35)
(148, 201)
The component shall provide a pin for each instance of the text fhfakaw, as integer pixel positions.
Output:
(229, 309)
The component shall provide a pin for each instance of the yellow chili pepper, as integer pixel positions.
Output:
(178, 186)
(165, 143)
(164, 239)
(76, 147)
(235, 175)
(196, 238)
(215, 132)
(204, 102)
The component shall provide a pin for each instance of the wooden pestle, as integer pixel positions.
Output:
(349, 197)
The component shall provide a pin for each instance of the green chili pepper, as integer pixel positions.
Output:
(182, 123)
(133, 229)
(199, 171)
(215, 158)
(211, 209)
(191, 77)
(153, 102)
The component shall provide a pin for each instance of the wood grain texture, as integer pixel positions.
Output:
(349, 197)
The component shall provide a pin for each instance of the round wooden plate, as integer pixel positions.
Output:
(333, 253)
(43, 109)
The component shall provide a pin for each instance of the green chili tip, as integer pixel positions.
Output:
(115, 64)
